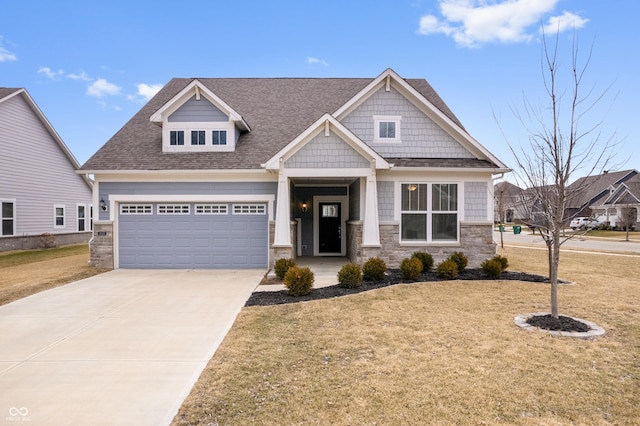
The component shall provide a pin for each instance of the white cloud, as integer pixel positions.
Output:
(52, 75)
(566, 21)
(82, 76)
(472, 23)
(5, 55)
(102, 87)
(313, 61)
(148, 91)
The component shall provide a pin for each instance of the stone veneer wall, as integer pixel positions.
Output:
(276, 253)
(26, 242)
(101, 247)
(476, 243)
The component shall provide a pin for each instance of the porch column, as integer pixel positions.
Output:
(371, 225)
(282, 231)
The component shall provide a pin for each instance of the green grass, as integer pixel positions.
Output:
(15, 258)
(633, 235)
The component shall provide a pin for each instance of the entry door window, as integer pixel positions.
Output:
(329, 227)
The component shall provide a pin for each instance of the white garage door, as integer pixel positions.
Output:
(193, 235)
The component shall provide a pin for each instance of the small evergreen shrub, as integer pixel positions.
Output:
(460, 259)
(374, 269)
(350, 276)
(411, 268)
(492, 267)
(447, 269)
(47, 240)
(299, 281)
(503, 261)
(282, 266)
(426, 259)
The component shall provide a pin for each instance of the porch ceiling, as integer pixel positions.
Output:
(323, 181)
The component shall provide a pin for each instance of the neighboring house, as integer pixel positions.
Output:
(621, 205)
(511, 203)
(40, 191)
(238, 172)
(593, 190)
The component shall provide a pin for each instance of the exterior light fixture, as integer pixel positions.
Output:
(304, 206)
(103, 205)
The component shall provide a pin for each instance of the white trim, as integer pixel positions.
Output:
(186, 198)
(55, 216)
(162, 114)
(344, 213)
(206, 209)
(14, 218)
(298, 221)
(85, 219)
(315, 129)
(421, 102)
(396, 119)
(207, 127)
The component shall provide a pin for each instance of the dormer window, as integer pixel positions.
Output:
(219, 137)
(176, 137)
(386, 129)
(198, 137)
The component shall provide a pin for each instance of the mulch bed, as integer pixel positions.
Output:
(562, 323)
(394, 276)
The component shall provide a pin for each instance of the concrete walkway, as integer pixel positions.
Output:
(325, 271)
(121, 348)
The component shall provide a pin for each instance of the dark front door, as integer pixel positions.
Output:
(330, 233)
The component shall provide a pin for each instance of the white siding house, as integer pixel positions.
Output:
(40, 191)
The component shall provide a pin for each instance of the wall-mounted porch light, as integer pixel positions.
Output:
(304, 206)
(103, 205)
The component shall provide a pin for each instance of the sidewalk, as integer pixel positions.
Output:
(325, 271)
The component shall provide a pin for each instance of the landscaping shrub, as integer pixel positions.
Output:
(447, 269)
(350, 276)
(503, 261)
(492, 267)
(425, 258)
(47, 240)
(460, 259)
(282, 266)
(299, 281)
(374, 269)
(411, 268)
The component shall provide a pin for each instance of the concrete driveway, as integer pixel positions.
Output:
(124, 347)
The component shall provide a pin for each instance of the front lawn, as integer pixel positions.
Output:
(434, 353)
(27, 272)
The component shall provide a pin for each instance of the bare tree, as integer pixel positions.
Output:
(562, 143)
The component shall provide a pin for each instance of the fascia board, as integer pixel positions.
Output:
(425, 106)
(316, 128)
(186, 93)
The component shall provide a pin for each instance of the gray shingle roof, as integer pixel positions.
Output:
(6, 91)
(276, 109)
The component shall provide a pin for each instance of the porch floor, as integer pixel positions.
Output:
(325, 271)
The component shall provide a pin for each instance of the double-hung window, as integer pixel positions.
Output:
(58, 216)
(82, 216)
(429, 212)
(8, 218)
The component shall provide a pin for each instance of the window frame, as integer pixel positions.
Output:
(208, 127)
(56, 216)
(430, 213)
(220, 132)
(12, 218)
(173, 209)
(136, 209)
(177, 132)
(199, 141)
(81, 222)
(378, 120)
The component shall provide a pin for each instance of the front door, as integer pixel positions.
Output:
(329, 228)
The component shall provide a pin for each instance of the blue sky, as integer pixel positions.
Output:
(90, 66)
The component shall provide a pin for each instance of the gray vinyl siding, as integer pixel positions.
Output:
(354, 200)
(420, 136)
(475, 201)
(326, 152)
(385, 200)
(36, 173)
(197, 111)
(183, 188)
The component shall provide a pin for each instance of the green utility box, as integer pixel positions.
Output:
(517, 229)
(501, 228)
